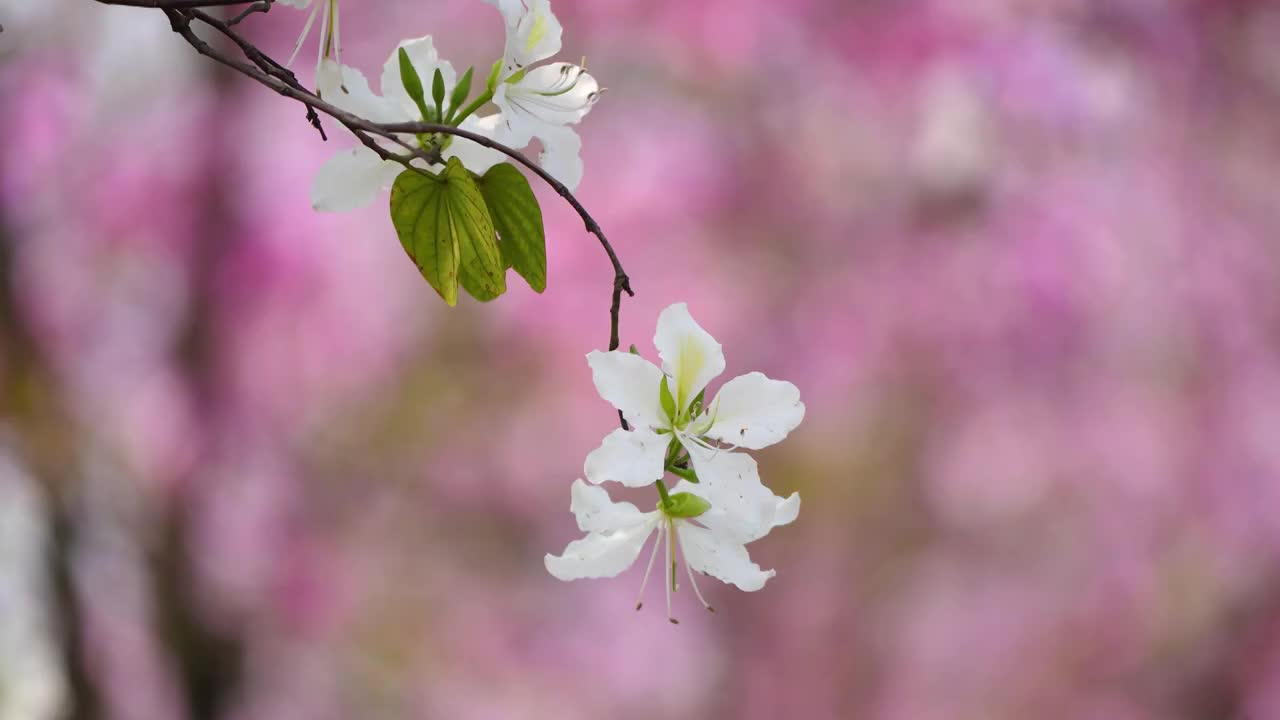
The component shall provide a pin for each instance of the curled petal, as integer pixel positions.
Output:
(689, 354)
(554, 94)
(630, 383)
(601, 554)
(352, 179)
(422, 54)
(348, 89)
(631, 457)
(597, 512)
(752, 411)
(787, 510)
(723, 559)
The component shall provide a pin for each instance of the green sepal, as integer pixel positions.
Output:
(494, 74)
(459, 94)
(413, 84)
(668, 402)
(437, 92)
(518, 220)
(685, 505)
(684, 473)
(634, 350)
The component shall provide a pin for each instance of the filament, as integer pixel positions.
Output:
(694, 582)
(652, 556)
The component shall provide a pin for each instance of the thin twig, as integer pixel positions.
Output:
(177, 4)
(261, 6)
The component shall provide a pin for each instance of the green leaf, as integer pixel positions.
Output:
(443, 225)
(412, 83)
(668, 402)
(460, 92)
(686, 505)
(518, 219)
(437, 92)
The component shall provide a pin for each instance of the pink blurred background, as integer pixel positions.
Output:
(1020, 257)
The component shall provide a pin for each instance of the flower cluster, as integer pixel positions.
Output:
(719, 504)
(539, 102)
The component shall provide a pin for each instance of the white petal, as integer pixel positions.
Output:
(516, 127)
(787, 510)
(511, 10)
(352, 179)
(348, 89)
(561, 155)
(741, 506)
(752, 411)
(601, 554)
(555, 94)
(690, 356)
(474, 156)
(295, 3)
(720, 558)
(422, 54)
(631, 384)
(534, 36)
(634, 458)
(596, 512)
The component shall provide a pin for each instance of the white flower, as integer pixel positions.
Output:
(329, 41)
(750, 411)
(617, 532)
(354, 178)
(541, 101)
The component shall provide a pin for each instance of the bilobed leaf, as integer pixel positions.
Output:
(481, 269)
(443, 225)
(518, 219)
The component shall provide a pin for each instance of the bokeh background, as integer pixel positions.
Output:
(1020, 257)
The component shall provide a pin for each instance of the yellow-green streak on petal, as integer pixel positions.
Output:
(691, 361)
(536, 32)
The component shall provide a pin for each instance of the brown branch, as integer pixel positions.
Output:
(270, 73)
(179, 4)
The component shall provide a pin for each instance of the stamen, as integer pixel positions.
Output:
(337, 39)
(693, 581)
(668, 585)
(306, 29)
(652, 556)
(324, 30)
(671, 538)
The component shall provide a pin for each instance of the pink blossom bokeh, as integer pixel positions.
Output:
(1019, 256)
